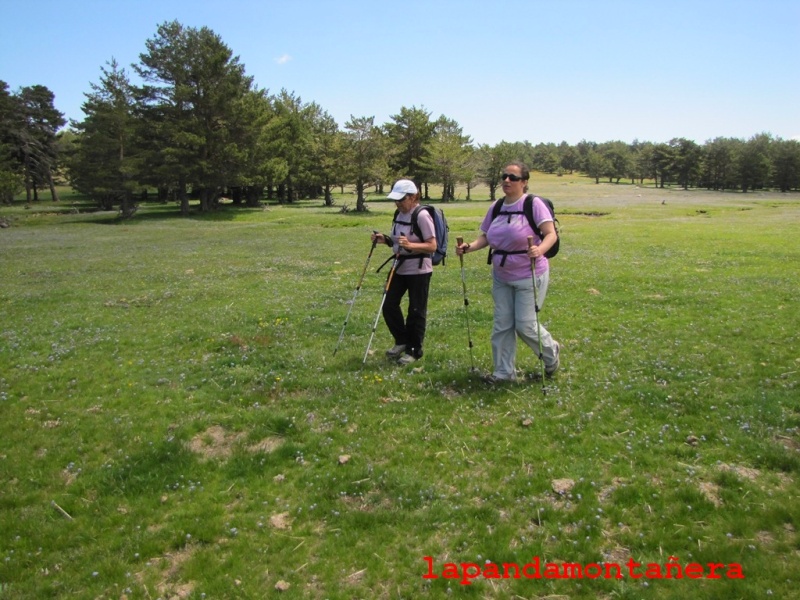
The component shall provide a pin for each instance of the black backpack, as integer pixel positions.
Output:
(527, 210)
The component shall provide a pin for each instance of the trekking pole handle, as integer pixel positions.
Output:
(533, 260)
(459, 241)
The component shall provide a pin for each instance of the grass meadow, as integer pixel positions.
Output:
(173, 423)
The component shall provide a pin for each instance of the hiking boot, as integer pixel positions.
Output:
(494, 380)
(406, 359)
(396, 351)
(550, 370)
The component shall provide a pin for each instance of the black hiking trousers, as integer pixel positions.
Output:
(411, 330)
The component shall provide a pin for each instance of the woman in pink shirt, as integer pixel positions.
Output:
(515, 312)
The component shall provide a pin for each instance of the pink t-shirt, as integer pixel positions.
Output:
(402, 226)
(510, 233)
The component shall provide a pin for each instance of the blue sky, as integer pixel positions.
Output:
(541, 71)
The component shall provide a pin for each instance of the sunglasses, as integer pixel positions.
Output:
(512, 177)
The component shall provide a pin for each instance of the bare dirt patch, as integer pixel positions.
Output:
(368, 503)
(216, 443)
(790, 443)
(562, 486)
(169, 566)
(619, 555)
(605, 492)
(743, 472)
(266, 445)
(281, 521)
(765, 538)
(711, 492)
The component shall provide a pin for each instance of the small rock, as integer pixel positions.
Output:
(282, 586)
(344, 459)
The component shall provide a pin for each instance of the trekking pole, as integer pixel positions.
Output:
(536, 305)
(380, 308)
(358, 289)
(459, 241)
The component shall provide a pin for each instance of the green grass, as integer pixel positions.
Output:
(168, 383)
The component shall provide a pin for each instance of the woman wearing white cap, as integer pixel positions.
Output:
(413, 246)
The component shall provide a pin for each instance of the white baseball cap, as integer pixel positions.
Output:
(401, 188)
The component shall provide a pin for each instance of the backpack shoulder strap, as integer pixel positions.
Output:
(416, 228)
(414, 216)
(496, 208)
(527, 208)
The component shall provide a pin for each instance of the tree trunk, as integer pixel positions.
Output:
(360, 204)
(254, 193)
(127, 207)
(183, 197)
(205, 200)
(52, 184)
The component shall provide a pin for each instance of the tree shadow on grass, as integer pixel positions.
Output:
(166, 212)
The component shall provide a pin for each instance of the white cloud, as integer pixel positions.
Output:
(283, 59)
